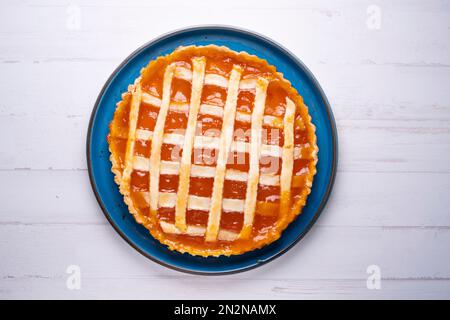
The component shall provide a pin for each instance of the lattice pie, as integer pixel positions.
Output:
(213, 150)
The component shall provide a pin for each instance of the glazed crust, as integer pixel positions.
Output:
(151, 222)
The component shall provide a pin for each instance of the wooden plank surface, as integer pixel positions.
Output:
(387, 81)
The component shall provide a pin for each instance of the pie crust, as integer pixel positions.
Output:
(213, 150)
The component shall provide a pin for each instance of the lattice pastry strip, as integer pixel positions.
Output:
(213, 110)
(157, 139)
(288, 156)
(255, 152)
(168, 200)
(226, 138)
(185, 165)
(129, 153)
(207, 142)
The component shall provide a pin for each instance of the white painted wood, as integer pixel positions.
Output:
(327, 253)
(30, 287)
(389, 93)
(412, 32)
(311, 259)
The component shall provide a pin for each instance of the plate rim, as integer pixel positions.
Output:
(285, 51)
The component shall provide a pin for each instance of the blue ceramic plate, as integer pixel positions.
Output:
(107, 192)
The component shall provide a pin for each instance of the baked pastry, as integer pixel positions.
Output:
(213, 150)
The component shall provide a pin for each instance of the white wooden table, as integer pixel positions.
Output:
(385, 68)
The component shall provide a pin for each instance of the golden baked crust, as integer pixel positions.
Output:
(225, 140)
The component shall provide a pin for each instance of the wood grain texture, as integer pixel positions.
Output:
(389, 92)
